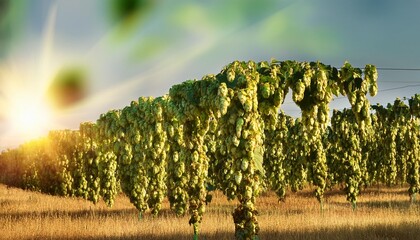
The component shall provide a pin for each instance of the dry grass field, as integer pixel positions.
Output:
(382, 213)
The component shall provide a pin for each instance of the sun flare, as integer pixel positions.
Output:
(29, 117)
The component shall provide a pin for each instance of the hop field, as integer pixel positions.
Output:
(382, 213)
(227, 132)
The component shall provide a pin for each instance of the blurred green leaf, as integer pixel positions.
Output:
(128, 14)
(68, 86)
(12, 14)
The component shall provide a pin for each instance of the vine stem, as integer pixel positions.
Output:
(354, 206)
(413, 198)
(196, 226)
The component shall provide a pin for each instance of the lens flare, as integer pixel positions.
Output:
(28, 117)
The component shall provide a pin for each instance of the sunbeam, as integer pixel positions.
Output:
(45, 68)
(25, 112)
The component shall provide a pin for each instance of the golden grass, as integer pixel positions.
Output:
(382, 213)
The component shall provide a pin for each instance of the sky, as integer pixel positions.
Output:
(142, 50)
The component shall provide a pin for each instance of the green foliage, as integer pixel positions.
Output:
(346, 155)
(275, 156)
(398, 125)
(192, 107)
(414, 103)
(226, 132)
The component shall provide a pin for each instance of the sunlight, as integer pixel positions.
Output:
(29, 118)
(25, 113)
(32, 116)
(24, 109)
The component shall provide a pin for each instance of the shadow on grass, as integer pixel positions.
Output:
(373, 190)
(408, 231)
(81, 214)
(401, 205)
(97, 213)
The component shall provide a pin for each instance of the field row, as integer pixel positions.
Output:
(383, 213)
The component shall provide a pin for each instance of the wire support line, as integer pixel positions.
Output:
(387, 68)
(394, 81)
(397, 69)
(396, 88)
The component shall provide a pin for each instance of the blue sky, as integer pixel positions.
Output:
(173, 41)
